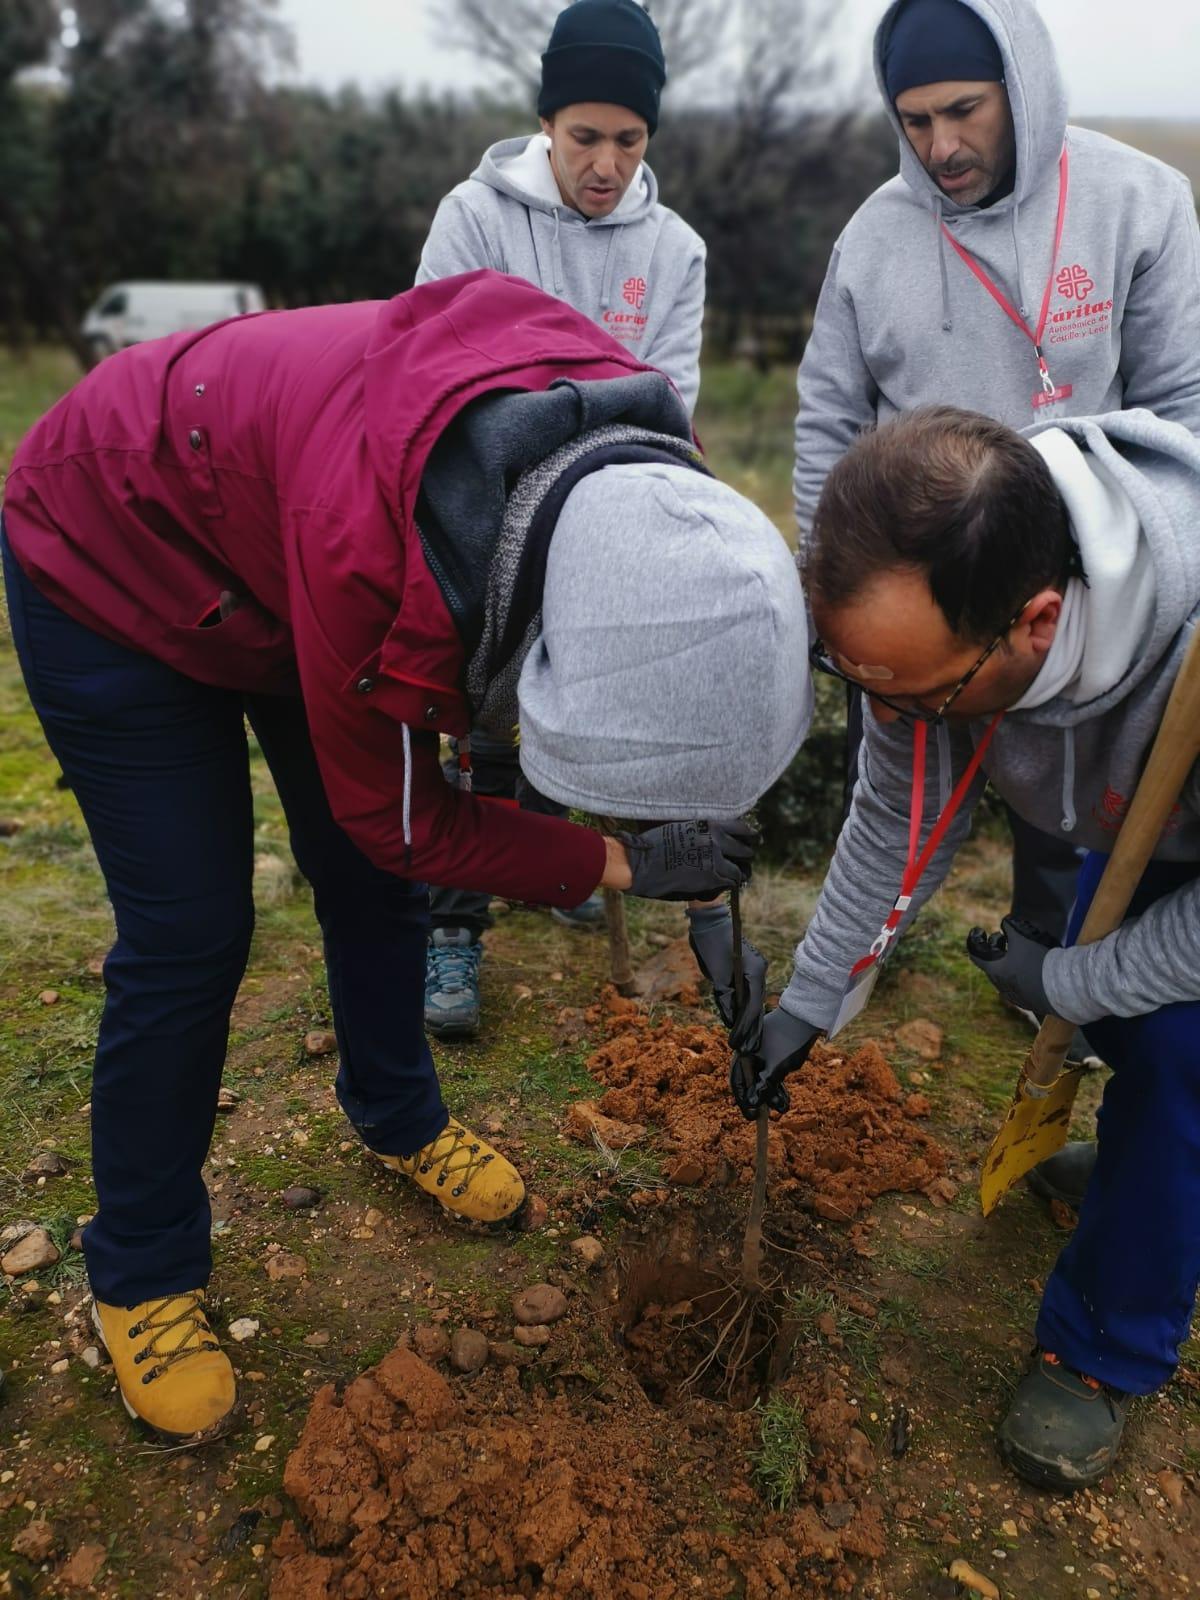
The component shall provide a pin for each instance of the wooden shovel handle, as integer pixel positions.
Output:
(1174, 752)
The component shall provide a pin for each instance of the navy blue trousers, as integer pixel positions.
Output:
(160, 767)
(1119, 1302)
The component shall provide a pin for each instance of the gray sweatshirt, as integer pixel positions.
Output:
(1067, 767)
(902, 322)
(638, 273)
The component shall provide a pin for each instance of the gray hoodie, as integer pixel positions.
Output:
(1068, 767)
(902, 322)
(638, 273)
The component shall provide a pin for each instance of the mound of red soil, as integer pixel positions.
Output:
(403, 1490)
(852, 1133)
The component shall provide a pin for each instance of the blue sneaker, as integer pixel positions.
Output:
(452, 984)
(588, 916)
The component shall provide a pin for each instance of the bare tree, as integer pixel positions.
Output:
(512, 37)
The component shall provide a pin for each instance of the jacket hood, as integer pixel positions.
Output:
(445, 343)
(1157, 464)
(520, 169)
(1035, 93)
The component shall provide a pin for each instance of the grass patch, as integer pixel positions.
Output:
(784, 1451)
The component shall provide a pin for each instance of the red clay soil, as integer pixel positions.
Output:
(405, 1488)
(852, 1133)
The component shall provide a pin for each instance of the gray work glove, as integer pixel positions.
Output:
(689, 860)
(710, 934)
(1013, 960)
(757, 1079)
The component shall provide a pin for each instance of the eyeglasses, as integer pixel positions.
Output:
(912, 710)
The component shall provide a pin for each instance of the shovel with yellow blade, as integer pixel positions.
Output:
(1040, 1115)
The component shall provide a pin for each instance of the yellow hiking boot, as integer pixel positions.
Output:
(462, 1170)
(172, 1373)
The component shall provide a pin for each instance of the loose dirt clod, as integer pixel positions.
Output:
(572, 1496)
(851, 1134)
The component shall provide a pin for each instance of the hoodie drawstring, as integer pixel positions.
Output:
(1069, 817)
(560, 286)
(606, 282)
(1015, 218)
(939, 223)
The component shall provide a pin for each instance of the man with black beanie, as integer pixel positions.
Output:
(574, 210)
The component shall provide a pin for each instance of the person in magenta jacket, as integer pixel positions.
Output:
(362, 527)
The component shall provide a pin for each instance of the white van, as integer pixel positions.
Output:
(128, 313)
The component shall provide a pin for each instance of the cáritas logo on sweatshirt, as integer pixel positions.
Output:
(629, 326)
(1083, 316)
(1114, 806)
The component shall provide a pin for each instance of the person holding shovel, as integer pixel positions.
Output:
(1015, 609)
(574, 209)
(1017, 266)
(363, 526)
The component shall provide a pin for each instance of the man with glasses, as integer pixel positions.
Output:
(1015, 609)
(1016, 266)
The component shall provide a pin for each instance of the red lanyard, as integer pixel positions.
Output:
(1002, 299)
(918, 860)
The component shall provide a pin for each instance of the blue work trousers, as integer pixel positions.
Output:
(1119, 1302)
(160, 767)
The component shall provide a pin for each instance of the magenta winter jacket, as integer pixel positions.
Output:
(277, 458)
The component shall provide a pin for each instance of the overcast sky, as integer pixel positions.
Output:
(1114, 65)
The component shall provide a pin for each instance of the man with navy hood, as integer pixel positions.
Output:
(1016, 266)
(574, 209)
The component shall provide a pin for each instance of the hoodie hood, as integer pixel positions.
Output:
(1144, 463)
(520, 168)
(1035, 93)
(671, 677)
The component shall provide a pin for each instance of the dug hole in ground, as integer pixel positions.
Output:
(595, 1474)
(669, 1440)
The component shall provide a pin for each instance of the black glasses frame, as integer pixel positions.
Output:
(822, 661)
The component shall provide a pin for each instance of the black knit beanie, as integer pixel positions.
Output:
(939, 41)
(607, 51)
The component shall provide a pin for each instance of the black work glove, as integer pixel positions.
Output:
(710, 934)
(689, 860)
(1013, 960)
(757, 1079)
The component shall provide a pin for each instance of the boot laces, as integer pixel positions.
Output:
(453, 967)
(197, 1335)
(461, 1158)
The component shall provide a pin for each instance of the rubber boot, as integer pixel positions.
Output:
(1063, 1428)
(1066, 1174)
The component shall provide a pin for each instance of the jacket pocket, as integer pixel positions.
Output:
(235, 644)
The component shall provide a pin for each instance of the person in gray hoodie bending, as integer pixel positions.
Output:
(575, 208)
(1016, 609)
(575, 211)
(1016, 266)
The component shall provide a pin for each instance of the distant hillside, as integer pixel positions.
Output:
(1176, 143)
